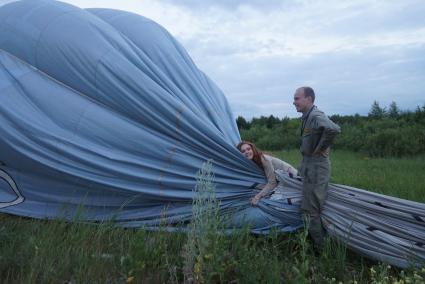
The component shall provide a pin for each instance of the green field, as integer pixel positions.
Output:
(400, 177)
(34, 251)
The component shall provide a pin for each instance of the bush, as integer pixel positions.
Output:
(396, 142)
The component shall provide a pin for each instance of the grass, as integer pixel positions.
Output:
(41, 251)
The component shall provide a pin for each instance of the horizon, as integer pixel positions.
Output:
(385, 108)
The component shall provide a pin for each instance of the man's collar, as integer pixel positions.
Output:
(305, 115)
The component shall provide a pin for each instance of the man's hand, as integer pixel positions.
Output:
(323, 153)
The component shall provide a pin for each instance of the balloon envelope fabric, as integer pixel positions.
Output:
(103, 111)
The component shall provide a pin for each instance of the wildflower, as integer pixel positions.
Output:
(417, 276)
(197, 268)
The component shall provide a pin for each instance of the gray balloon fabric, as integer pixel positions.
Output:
(103, 114)
(103, 111)
(380, 227)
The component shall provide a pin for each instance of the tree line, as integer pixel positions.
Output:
(384, 132)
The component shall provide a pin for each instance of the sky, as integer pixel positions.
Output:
(258, 52)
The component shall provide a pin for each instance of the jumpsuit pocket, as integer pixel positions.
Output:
(321, 173)
(309, 175)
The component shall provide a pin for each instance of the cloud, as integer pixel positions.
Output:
(4, 2)
(346, 82)
(226, 4)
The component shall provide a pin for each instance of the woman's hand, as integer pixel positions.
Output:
(255, 200)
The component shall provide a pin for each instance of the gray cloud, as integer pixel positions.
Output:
(3, 2)
(346, 82)
(378, 17)
(377, 54)
(227, 4)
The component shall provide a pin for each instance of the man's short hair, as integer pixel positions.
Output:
(309, 92)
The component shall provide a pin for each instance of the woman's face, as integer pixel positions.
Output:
(246, 150)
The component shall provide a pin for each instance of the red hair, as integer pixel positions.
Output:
(257, 153)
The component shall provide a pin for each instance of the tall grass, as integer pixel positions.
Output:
(204, 256)
(36, 251)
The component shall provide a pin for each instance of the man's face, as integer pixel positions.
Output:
(302, 103)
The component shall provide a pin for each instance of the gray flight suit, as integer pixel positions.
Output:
(317, 134)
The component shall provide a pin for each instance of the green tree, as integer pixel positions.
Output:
(376, 111)
(242, 123)
(393, 110)
(272, 121)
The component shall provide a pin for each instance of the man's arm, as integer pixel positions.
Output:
(330, 131)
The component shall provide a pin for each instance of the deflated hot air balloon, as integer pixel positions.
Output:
(103, 111)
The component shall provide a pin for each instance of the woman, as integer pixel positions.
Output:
(268, 164)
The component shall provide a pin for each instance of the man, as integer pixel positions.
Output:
(317, 135)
